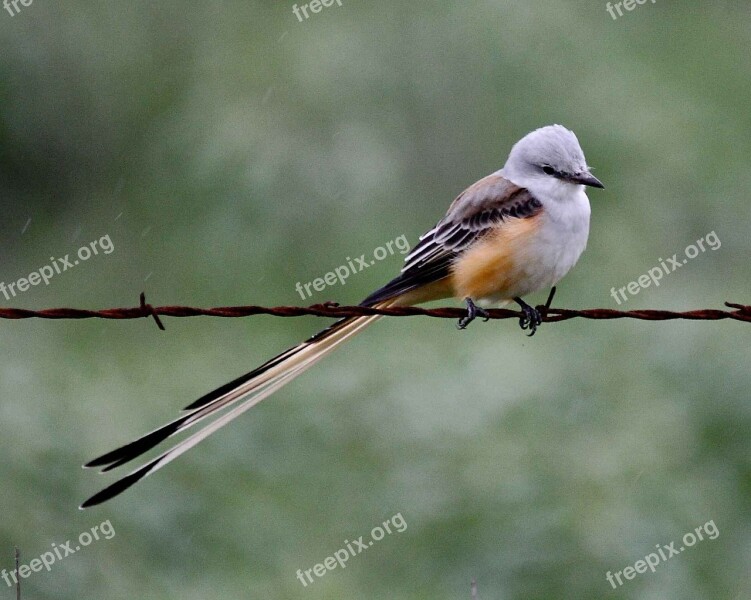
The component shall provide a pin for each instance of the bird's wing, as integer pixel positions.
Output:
(479, 209)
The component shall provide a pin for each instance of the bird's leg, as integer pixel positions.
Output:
(550, 299)
(473, 311)
(531, 317)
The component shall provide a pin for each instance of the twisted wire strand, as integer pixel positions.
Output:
(739, 312)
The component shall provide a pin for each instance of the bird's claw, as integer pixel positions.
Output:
(531, 317)
(473, 311)
(530, 320)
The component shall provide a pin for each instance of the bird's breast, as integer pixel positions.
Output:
(522, 256)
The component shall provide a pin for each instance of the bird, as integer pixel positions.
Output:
(512, 233)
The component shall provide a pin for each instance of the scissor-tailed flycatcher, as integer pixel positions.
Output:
(512, 233)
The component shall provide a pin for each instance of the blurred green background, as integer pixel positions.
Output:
(230, 151)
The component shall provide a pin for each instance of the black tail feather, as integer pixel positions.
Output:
(121, 484)
(134, 449)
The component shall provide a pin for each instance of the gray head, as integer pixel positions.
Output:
(551, 152)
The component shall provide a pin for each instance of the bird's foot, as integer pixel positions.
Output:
(531, 318)
(473, 311)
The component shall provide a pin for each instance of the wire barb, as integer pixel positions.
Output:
(740, 312)
(150, 311)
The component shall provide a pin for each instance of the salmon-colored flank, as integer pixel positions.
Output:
(493, 266)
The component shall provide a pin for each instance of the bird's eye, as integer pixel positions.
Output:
(548, 170)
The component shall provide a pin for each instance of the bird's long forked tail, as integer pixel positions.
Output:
(231, 400)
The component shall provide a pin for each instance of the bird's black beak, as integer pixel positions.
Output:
(586, 178)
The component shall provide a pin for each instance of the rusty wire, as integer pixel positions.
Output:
(740, 312)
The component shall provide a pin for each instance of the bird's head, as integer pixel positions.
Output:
(551, 157)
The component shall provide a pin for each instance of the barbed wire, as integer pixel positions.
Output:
(740, 312)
